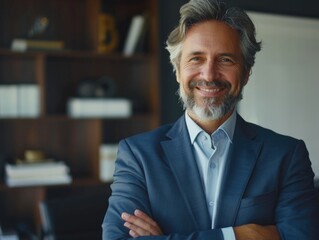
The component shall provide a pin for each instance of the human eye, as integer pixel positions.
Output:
(226, 60)
(194, 59)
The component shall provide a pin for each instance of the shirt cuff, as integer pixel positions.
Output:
(228, 233)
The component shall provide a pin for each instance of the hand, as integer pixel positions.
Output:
(256, 232)
(141, 224)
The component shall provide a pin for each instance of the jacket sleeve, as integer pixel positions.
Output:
(129, 192)
(297, 210)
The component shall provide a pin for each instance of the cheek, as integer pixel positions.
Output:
(185, 76)
(236, 81)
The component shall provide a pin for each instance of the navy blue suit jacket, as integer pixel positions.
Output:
(268, 180)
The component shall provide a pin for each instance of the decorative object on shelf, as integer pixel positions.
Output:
(38, 27)
(33, 156)
(98, 98)
(103, 87)
(107, 34)
(36, 39)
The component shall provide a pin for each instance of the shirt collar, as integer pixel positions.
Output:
(228, 127)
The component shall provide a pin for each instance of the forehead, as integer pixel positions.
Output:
(211, 35)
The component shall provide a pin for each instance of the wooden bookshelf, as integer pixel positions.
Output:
(58, 73)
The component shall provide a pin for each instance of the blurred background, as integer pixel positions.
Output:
(76, 76)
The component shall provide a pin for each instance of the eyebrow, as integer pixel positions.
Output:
(226, 54)
(195, 53)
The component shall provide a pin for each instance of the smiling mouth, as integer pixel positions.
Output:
(210, 89)
(211, 92)
(209, 85)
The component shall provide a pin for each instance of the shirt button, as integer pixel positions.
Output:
(212, 165)
(211, 203)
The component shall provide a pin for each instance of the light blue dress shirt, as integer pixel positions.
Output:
(211, 155)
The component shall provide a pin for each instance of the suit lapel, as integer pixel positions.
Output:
(178, 151)
(241, 162)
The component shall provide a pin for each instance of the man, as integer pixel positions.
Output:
(211, 175)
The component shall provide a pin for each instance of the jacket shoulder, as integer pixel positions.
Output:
(270, 135)
(152, 136)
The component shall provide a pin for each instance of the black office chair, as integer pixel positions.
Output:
(74, 217)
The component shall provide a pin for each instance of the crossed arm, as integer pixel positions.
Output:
(140, 224)
(296, 207)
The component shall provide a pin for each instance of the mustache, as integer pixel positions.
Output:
(215, 83)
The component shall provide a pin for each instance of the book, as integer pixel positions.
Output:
(108, 154)
(134, 34)
(28, 100)
(27, 44)
(19, 100)
(30, 170)
(36, 181)
(30, 174)
(99, 108)
(8, 100)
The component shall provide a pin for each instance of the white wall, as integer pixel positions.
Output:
(283, 90)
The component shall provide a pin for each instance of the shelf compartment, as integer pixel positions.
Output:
(76, 26)
(131, 78)
(76, 142)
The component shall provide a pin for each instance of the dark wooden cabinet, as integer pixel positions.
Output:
(58, 73)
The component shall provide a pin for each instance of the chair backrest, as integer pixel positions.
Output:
(74, 217)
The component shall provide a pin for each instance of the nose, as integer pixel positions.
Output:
(209, 71)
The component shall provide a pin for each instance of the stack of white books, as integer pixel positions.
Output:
(99, 108)
(43, 173)
(19, 100)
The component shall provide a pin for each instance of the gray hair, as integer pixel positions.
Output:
(196, 11)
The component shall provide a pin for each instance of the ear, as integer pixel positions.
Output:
(177, 75)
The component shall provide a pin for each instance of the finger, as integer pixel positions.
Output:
(135, 223)
(145, 217)
(154, 229)
(133, 234)
(131, 218)
(136, 231)
(136, 219)
(140, 225)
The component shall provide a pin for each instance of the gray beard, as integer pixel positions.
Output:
(210, 110)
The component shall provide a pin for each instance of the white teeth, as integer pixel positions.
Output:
(210, 90)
